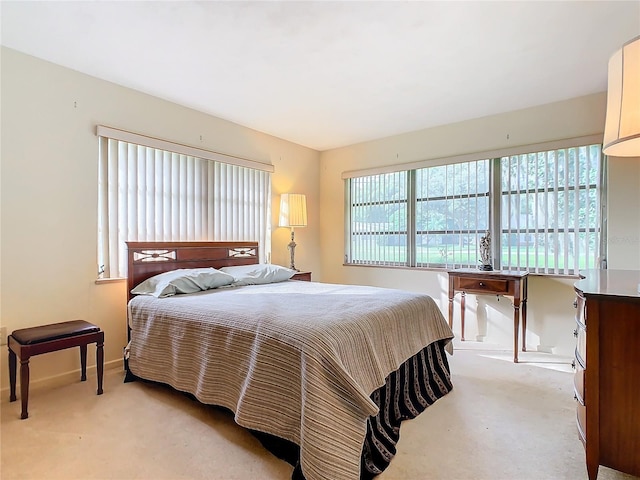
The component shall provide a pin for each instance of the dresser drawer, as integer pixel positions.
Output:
(581, 313)
(581, 346)
(578, 383)
(581, 420)
(472, 285)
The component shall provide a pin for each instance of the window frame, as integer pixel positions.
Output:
(495, 208)
(204, 189)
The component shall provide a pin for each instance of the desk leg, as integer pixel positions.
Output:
(462, 308)
(450, 311)
(524, 325)
(516, 328)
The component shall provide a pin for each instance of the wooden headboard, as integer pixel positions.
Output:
(146, 259)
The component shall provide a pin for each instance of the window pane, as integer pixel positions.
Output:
(378, 212)
(550, 210)
(452, 213)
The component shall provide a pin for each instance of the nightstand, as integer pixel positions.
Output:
(303, 276)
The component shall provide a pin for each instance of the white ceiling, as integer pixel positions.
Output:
(329, 74)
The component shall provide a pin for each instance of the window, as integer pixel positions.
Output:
(543, 210)
(379, 219)
(550, 210)
(148, 193)
(452, 213)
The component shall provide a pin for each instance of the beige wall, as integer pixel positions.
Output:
(550, 312)
(624, 213)
(49, 200)
(49, 195)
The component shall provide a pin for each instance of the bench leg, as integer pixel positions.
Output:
(12, 375)
(24, 386)
(99, 364)
(83, 362)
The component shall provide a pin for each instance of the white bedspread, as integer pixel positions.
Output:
(295, 359)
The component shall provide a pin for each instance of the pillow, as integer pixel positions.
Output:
(183, 280)
(258, 273)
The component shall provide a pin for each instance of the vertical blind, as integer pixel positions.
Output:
(152, 194)
(378, 218)
(452, 213)
(550, 210)
(544, 211)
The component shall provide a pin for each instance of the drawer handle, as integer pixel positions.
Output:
(481, 284)
(575, 303)
(573, 364)
(575, 333)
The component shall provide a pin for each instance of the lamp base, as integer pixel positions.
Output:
(292, 252)
(485, 268)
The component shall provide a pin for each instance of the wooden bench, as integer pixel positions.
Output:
(27, 342)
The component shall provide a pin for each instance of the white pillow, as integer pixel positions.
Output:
(183, 280)
(258, 273)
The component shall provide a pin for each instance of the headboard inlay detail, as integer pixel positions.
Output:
(242, 252)
(154, 256)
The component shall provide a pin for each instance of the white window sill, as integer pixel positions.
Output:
(100, 281)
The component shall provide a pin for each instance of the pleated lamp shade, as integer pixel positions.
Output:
(622, 126)
(293, 210)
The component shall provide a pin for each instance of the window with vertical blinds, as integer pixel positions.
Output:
(550, 215)
(452, 213)
(379, 219)
(153, 194)
(544, 211)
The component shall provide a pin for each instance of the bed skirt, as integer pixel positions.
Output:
(408, 391)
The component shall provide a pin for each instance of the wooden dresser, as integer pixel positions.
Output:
(607, 369)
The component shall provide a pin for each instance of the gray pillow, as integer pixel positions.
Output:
(183, 280)
(259, 273)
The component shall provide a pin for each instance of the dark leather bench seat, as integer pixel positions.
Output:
(27, 342)
(54, 331)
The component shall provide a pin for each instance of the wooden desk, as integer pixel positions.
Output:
(496, 282)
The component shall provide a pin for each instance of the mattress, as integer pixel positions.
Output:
(298, 360)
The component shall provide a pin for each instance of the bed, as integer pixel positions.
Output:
(323, 374)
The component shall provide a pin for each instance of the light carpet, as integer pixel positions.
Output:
(502, 421)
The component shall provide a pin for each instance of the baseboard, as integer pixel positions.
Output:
(62, 379)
